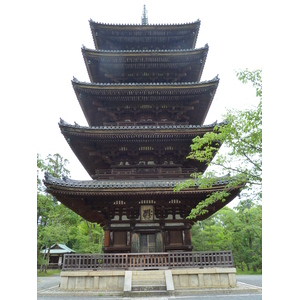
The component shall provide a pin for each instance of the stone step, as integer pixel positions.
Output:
(143, 278)
(148, 273)
(155, 287)
(149, 282)
(151, 294)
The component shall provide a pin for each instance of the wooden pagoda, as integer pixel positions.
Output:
(144, 104)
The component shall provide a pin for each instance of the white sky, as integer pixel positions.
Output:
(64, 28)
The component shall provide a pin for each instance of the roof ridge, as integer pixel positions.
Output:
(109, 183)
(130, 127)
(137, 24)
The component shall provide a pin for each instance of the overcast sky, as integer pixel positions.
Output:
(231, 31)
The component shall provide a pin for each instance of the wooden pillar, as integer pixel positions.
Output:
(188, 240)
(106, 238)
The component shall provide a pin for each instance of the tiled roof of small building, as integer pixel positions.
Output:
(63, 249)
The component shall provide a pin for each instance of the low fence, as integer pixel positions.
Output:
(73, 262)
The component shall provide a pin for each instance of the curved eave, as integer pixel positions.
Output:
(92, 190)
(144, 86)
(102, 33)
(91, 94)
(116, 66)
(96, 147)
(154, 132)
(128, 187)
(87, 197)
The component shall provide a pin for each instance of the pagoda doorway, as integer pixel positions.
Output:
(147, 242)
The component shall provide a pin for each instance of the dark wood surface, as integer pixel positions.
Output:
(159, 260)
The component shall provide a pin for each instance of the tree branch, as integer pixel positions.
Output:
(235, 170)
(252, 162)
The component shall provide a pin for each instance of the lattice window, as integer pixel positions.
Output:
(146, 106)
(147, 202)
(175, 201)
(119, 202)
(146, 148)
(169, 148)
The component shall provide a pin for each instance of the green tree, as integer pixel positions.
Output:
(250, 220)
(239, 230)
(241, 137)
(53, 218)
(57, 223)
(89, 237)
(214, 233)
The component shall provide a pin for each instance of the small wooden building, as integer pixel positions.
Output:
(56, 255)
(144, 105)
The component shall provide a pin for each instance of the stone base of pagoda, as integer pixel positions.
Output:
(121, 282)
(93, 280)
(204, 278)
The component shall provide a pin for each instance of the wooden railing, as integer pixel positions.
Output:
(144, 173)
(73, 262)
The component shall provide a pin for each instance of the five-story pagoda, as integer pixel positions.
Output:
(144, 105)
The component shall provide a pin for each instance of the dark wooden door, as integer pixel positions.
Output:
(147, 244)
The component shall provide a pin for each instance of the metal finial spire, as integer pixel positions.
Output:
(144, 16)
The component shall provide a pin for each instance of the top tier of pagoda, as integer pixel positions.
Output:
(145, 37)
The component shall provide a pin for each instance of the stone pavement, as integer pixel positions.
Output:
(242, 288)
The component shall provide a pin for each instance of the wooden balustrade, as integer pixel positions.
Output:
(159, 260)
(144, 173)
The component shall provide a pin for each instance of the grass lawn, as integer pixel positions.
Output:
(49, 273)
(246, 272)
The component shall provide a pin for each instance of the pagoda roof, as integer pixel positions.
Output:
(89, 197)
(144, 37)
(98, 147)
(142, 129)
(95, 98)
(120, 185)
(127, 133)
(119, 66)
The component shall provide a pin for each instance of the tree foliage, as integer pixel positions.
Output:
(241, 138)
(58, 224)
(239, 230)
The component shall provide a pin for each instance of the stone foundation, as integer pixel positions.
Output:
(93, 280)
(176, 279)
(204, 278)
